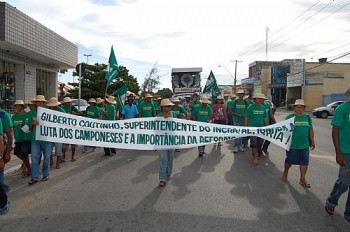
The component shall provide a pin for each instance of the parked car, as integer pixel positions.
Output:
(83, 104)
(325, 111)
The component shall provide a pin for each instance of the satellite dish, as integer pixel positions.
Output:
(176, 81)
(187, 80)
(197, 80)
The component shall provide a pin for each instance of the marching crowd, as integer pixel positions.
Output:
(238, 111)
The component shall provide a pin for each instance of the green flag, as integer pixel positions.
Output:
(211, 86)
(113, 68)
(121, 95)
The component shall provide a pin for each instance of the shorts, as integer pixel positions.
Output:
(256, 142)
(22, 149)
(66, 146)
(298, 156)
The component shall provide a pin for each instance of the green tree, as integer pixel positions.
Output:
(152, 80)
(93, 82)
(165, 93)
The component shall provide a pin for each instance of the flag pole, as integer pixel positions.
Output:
(109, 69)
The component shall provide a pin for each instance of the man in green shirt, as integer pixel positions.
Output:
(178, 109)
(202, 113)
(146, 109)
(69, 109)
(55, 105)
(340, 136)
(256, 116)
(109, 114)
(7, 126)
(238, 109)
(38, 147)
(92, 111)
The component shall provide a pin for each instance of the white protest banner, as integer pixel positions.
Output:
(149, 133)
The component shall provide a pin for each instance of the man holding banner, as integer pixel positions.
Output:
(256, 116)
(109, 114)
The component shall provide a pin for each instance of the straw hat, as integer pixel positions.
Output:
(259, 95)
(299, 102)
(99, 100)
(205, 100)
(240, 91)
(31, 102)
(67, 100)
(219, 98)
(53, 102)
(137, 98)
(148, 96)
(129, 94)
(111, 100)
(347, 93)
(39, 98)
(92, 100)
(18, 102)
(233, 96)
(166, 102)
(176, 99)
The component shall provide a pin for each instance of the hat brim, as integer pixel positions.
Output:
(114, 102)
(299, 105)
(347, 93)
(168, 104)
(53, 104)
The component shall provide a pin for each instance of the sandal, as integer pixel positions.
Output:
(26, 174)
(329, 209)
(305, 184)
(255, 161)
(6, 209)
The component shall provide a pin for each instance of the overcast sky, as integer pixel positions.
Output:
(196, 33)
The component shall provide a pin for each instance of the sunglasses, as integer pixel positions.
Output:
(168, 106)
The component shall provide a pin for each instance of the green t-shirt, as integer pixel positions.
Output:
(239, 107)
(29, 117)
(256, 115)
(71, 109)
(341, 119)
(302, 125)
(146, 109)
(157, 107)
(18, 121)
(110, 110)
(179, 110)
(93, 112)
(6, 119)
(202, 114)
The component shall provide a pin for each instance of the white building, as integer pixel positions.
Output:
(30, 57)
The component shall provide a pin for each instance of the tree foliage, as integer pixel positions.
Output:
(151, 81)
(93, 82)
(164, 93)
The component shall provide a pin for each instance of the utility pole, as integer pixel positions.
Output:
(87, 57)
(235, 79)
(267, 42)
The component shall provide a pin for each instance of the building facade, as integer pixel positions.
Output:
(30, 57)
(285, 81)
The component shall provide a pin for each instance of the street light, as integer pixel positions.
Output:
(87, 57)
(234, 85)
(221, 66)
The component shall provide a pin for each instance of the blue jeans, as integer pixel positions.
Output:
(341, 186)
(39, 148)
(238, 141)
(4, 186)
(166, 160)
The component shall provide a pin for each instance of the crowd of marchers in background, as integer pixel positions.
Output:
(237, 111)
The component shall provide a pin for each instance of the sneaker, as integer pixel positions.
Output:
(240, 148)
(235, 149)
(161, 184)
(45, 178)
(32, 181)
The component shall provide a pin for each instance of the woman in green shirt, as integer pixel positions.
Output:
(18, 119)
(302, 139)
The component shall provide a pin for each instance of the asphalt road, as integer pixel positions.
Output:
(220, 192)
